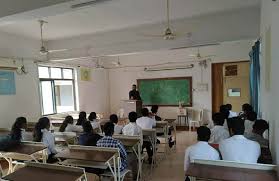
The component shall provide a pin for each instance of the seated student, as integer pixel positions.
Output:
(225, 111)
(81, 118)
(145, 122)
(18, 129)
(238, 148)
(249, 122)
(42, 134)
(109, 141)
(259, 127)
(218, 132)
(93, 119)
(68, 125)
(154, 110)
(89, 137)
(246, 108)
(132, 129)
(232, 114)
(201, 150)
(117, 128)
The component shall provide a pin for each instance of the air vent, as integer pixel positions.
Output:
(231, 70)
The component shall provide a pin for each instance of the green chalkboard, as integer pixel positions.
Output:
(166, 91)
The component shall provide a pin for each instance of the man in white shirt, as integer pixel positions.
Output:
(218, 132)
(232, 114)
(117, 128)
(238, 148)
(201, 150)
(249, 122)
(146, 122)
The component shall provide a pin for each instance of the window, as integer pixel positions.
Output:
(57, 90)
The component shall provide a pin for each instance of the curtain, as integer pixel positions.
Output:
(255, 77)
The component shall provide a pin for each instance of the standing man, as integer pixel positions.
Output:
(134, 94)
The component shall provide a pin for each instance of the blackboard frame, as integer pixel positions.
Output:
(171, 78)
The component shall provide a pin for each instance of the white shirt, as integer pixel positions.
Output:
(240, 149)
(49, 141)
(96, 125)
(26, 136)
(233, 114)
(73, 128)
(218, 133)
(248, 126)
(202, 151)
(117, 129)
(132, 129)
(146, 122)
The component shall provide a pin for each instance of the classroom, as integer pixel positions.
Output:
(146, 90)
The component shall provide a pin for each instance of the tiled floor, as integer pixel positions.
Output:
(171, 168)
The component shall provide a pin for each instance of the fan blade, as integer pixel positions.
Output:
(59, 50)
(194, 46)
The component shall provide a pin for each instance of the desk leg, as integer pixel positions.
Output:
(114, 170)
(139, 162)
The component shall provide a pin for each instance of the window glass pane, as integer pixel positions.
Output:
(64, 94)
(43, 72)
(68, 73)
(47, 98)
(55, 73)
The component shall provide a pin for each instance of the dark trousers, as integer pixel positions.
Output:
(148, 146)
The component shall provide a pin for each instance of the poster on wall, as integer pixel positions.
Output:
(85, 74)
(7, 83)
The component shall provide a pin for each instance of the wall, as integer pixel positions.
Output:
(269, 95)
(122, 79)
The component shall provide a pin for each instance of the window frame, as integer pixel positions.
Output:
(52, 80)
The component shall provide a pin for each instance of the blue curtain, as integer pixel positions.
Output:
(255, 77)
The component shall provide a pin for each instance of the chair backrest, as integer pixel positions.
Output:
(149, 135)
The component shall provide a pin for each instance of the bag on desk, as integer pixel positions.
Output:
(6, 142)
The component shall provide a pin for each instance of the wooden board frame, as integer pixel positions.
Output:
(171, 78)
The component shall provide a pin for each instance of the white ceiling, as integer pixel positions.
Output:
(119, 14)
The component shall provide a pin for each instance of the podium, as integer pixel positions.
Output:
(130, 106)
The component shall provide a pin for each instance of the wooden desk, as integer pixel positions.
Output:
(229, 173)
(46, 173)
(94, 157)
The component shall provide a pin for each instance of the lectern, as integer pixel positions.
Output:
(131, 105)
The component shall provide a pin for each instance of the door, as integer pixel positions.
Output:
(236, 84)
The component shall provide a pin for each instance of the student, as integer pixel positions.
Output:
(259, 127)
(201, 150)
(108, 141)
(218, 132)
(81, 118)
(89, 137)
(145, 122)
(154, 110)
(232, 114)
(117, 128)
(93, 119)
(225, 111)
(18, 129)
(132, 129)
(238, 148)
(42, 134)
(246, 108)
(249, 122)
(68, 125)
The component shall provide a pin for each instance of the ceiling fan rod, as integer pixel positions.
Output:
(168, 13)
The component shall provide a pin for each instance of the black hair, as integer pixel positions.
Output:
(43, 123)
(20, 123)
(144, 112)
(225, 111)
(113, 118)
(133, 116)
(109, 129)
(247, 108)
(251, 116)
(87, 127)
(67, 120)
(203, 133)
(229, 106)
(135, 85)
(154, 109)
(81, 118)
(92, 116)
(218, 119)
(238, 127)
(260, 125)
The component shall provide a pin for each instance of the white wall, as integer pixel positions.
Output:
(270, 98)
(122, 79)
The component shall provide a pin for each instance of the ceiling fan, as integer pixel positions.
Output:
(43, 49)
(117, 63)
(98, 65)
(199, 56)
(169, 34)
